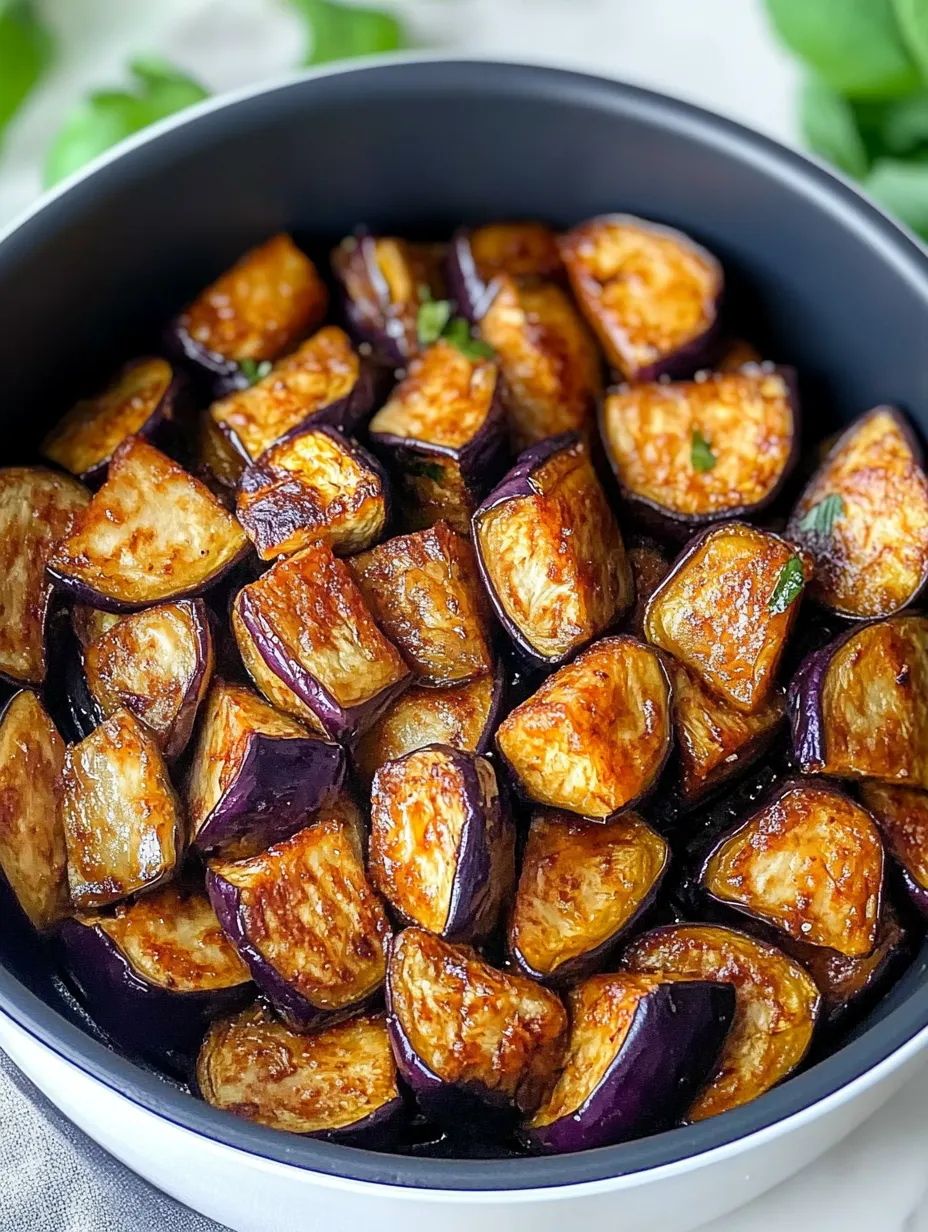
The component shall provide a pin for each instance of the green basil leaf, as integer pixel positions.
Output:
(829, 127)
(854, 46)
(701, 456)
(789, 586)
(109, 116)
(821, 518)
(25, 52)
(457, 332)
(902, 189)
(912, 16)
(343, 31)
(433, 316)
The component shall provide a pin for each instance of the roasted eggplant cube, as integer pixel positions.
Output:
(641, 1046)
(156, 971)
(442, 848)
(425, 592)
(260, 308)
(323, 383)
(649, 565)
(256, 774)
(715, 741)
(89, 623)
(551, 553)
(902, 815)
(583, 885)
(216, 461)
(478, 1047)
(158, 664)
(809, 862)
(151, 534)
(339, 1084)
(315, 487)
(141, 401)
(523, 250)
(776, 1006)
(306, 922)
(122, 821)
(726, 609)
(463, 717)
(695, 452)
(385, 281)
(864, 519)
(443, 434)
(312, 646)
(33, 856)
(594, 738)
(859, 706)
(38, 508)
(650, 293)
(551, 366)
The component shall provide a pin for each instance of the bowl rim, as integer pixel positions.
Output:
(881, 1047)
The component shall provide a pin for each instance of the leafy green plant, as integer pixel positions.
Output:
(25, 51)
(864, 104)
(340, 31)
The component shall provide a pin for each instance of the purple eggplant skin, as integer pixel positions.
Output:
(132, 1011)
(804, 704)
(469, 292)
(678, 527)
(278, 783)
(670, 1050)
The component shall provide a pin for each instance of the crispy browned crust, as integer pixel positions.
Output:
(259, 308)
(775, 1011)
(252, 1066)
(551, 365)
(425, 591)
(470, 1023)
(810, 863)
(321, 371)
(713, 612)
(902, 814)
(312, 488)
(37, 509)
(122, 819)
(595, 736)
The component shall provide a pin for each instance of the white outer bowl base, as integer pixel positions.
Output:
(251, 1194)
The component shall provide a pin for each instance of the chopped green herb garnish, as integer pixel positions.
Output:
(789, 584)
(254, 371)
(457, 332)
(701, 456)
(821, 518)
(428, 470)
(431, 320)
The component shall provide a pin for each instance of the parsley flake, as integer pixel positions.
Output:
(254, 371)
(788, 587)
(431, 320)
(821, 518)
(701, 456)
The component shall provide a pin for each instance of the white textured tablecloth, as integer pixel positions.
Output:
(713, 52)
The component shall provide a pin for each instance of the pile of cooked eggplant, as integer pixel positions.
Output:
(422, 743)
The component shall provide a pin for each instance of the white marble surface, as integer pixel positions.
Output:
(714, 52)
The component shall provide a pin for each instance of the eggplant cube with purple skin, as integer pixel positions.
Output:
(809, 862)
(38, 508)
(477, 1047)
(312, 646)
(151, 534)
(695, 452)
(864, 519)
(256, 774)
(123, 823)
(155, 971)
(442, 849)
(33, 854)
(551, 553)
(323, 382)
(726, 609)
(141, 401)
(651, 294)
(339, 1084)
(156, 663)
(307, 923)
(902, 815)
(476, 258)
(641, 1046)
(594, 738)
(859, 705)
(424, 590)
(315, 486)
(777, 1005)
(649, 565)
(583, 885)
(256, 311)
